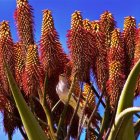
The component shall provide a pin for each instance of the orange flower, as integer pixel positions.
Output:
(92, 50)
(11, 119)
(129, 35)
(19, 58)
(6, 52)
(80, 44)
(107, 26)
(100, 66)
(52, 56)
(24, 22)
(33, 75)
(116, 61)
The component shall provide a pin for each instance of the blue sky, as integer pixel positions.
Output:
(62, 10)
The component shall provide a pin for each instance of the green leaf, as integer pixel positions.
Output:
(32, 127)
(126, 131)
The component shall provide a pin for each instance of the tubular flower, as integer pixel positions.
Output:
(116, 61)
(129, 35)
(19, 57)
(11, 119)
(33, 73)
(93, 52)
(24, 22)
(95, 25)
(52, 56)
(91, 97)
(6, 52)
(80, 47)
(2, 97)
(100, 66)
(88, 95)
(87, 25)
(107, 26)
(137, 57)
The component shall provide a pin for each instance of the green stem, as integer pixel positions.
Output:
(83, 113)
(94, 111)
(105, 120)
(74, 113)
(9, 136)
(47, 110)
(62, 117)
(55, 106)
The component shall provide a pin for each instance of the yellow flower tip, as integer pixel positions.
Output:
(4, 27)
(87, 24)
(47, 22)
(20, 3)
(76, 19)
(129, 21)
(115, 38)
(47, 11)
(107, 14)
(76, 14)
(95, 25)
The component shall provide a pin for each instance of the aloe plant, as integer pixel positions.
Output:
(30, 73)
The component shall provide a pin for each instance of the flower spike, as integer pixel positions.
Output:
(52, 56)
(6, 52)
(116, 59)
(100, 66)
(24, 22)
(129, 35)
(107, 25)
(81, 45)
(19, 57)
(33, 73)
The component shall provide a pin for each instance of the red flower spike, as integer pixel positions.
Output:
(3, 98)
(100, 66)
(33, 73)
(129, 35)
(52, 56)
(80, 45)
(107, 26)
(91, 98)
(116, 60)
(24, 22)
(19, 57)
(6, 52)
(92, 51)
(10, 118)
(137, 57)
